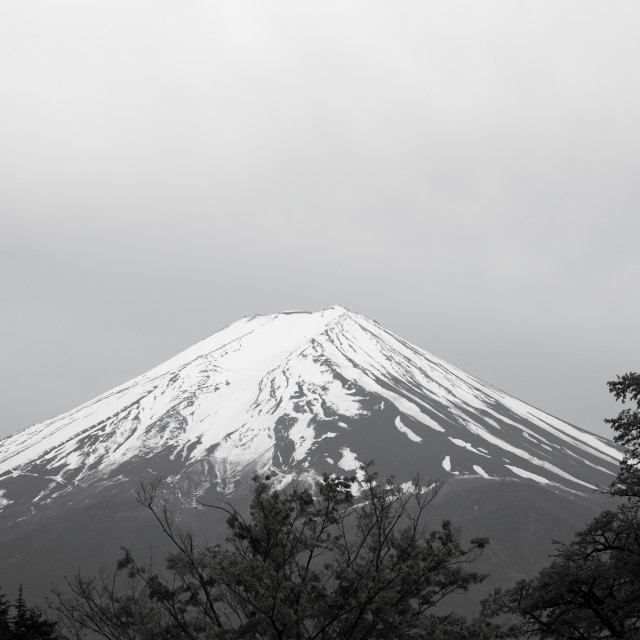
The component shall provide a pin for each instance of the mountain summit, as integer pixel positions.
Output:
(295, 394)
(300, 393)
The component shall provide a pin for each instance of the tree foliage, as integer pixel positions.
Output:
(5, 612)
(302, 565)
(627, 434)
(590, 590)
(26, 623)
(592, 587)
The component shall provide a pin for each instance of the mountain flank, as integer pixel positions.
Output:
(297, 394)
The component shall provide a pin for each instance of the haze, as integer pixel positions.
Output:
(465, 173)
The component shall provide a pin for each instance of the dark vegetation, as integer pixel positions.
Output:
(302, 565)
(328, 564)
(592, 587)
(21, 622)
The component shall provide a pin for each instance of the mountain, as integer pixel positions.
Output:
(300, 394)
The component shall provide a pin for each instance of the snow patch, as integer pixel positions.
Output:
(483, 433)
(528, 474)
(468, 445)
(480, 471)
(3, 501)
(349, 460)
(366, 381)
(309, 478)
(446, 463)
(404, 429)
(407, 486)
(303, 436)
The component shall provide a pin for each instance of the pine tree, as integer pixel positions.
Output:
(27, 623)
(20, 617)
(5, 608)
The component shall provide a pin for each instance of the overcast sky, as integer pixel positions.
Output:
(465, 173)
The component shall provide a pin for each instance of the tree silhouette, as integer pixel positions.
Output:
(592, 587)
(626, 426)
(5, 609)
(27, 623)
(303, 565)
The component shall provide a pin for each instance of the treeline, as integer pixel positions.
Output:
(18, 621)
(331, 565)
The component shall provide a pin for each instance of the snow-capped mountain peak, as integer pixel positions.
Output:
(301, 392)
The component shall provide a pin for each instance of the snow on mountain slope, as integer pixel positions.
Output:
(302, 393)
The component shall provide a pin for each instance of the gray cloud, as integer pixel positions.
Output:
(465, 173)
